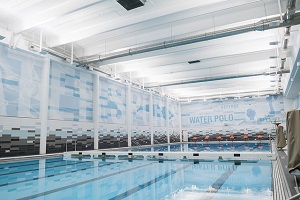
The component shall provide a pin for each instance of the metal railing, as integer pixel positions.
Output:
(297, 196)
(71, 143)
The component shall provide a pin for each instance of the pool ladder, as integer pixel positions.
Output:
(71, 143)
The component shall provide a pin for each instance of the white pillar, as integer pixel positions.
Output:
(96, 109)
(44, 105)
(179, 121)
(128, 113)
(151, 116)
(167, 120)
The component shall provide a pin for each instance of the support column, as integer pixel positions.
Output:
(44, 105)
(179, 121)
(128, 113)
(96, 110)
(167, 120)
(151, 116)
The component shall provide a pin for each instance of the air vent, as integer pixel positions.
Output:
(131, 4)
(194, 61)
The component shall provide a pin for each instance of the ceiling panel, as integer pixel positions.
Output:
(96, 28)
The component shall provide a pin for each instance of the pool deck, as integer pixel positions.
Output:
(285, 185)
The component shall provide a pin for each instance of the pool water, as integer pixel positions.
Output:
(241, 147)
(56, 178)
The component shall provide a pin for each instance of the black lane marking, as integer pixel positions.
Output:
(80, 183)
(42, 168)
(144, 185)
(36, 163)
(51, 175)
(218, 183)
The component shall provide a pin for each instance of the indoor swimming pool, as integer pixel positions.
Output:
(56, 178)
(213, 147)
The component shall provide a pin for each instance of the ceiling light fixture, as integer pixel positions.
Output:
(131, 4)
(194, 61)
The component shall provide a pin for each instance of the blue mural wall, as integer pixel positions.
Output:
(20, 80)
(140, 107)
(70, 93)
(20, 75)
(237, 115)
(159, 111)
(173, 114)
(112, 102)
(296, 103)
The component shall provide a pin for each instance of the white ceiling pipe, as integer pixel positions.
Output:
(229, 95)
(265, 24)
(217, 78)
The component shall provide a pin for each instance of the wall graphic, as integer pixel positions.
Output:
(140, 108)
(112, 101)
(20, 80)
(159, 111)
(255, 114)
(173, 114)
(70, 93)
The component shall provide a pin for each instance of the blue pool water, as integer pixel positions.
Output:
(240, 147)
(56, 178)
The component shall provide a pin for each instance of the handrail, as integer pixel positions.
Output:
(71, 140)
(297, 196)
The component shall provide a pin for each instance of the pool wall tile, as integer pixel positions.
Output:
(62, 134)
(140, 135)
(160, 135)
(174, 135)
(19, 136)
(112, 136)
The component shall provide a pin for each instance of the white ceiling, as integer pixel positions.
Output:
(100, 27)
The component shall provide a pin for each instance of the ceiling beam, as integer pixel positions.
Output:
(45, 12)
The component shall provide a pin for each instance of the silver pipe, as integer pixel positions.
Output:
(265, 24)
(209, 79)
(282, 63)
(285, 43)
(226, 95)
(287, 31)
(280, 11)
(259, 26)
(290, 10)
